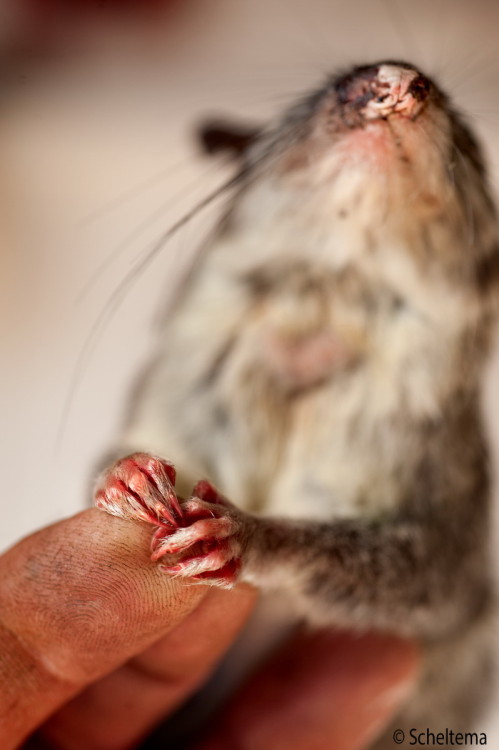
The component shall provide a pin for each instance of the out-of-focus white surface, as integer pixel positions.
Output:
(113, 117)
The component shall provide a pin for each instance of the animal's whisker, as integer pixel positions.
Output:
(136, 232)
(130, 193)
(402, 28)
(119, 293)
(134, 274)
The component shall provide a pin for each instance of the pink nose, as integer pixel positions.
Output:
(381, 90)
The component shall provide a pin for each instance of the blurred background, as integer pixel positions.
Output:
(99, 106)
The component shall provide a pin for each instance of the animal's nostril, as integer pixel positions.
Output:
(419, 88)
(357, 87)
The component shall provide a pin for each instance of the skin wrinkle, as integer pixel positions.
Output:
(20, 678)
(16, 665)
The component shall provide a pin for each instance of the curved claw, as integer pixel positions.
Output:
(140, 487)
(219, 567)
(204, 530)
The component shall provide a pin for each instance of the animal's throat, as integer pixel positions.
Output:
(301, 362)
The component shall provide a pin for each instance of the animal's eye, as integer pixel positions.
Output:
(381, 98)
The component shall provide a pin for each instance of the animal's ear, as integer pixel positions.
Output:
(488, 282)
(217, 136)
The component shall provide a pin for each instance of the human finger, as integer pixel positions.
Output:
(322, 690)
(77, 600)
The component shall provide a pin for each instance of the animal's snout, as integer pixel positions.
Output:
(378, 91)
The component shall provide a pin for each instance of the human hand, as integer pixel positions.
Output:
(97, 646)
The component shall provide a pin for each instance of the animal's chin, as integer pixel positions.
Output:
(384, 142)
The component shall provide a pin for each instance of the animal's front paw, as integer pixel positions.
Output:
(208, 549)
(140, 487)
